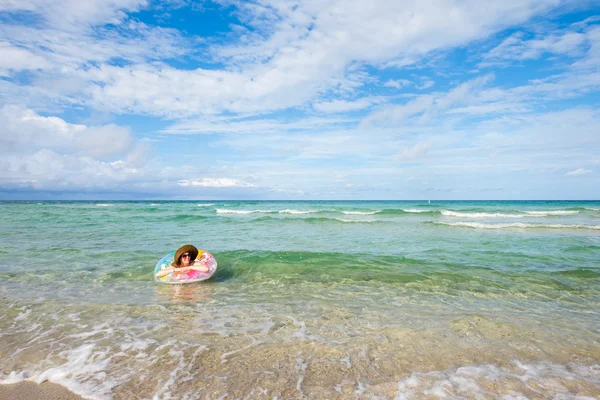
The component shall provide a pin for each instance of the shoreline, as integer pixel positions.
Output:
(28, 390)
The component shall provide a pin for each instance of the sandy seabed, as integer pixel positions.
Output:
(34, 391)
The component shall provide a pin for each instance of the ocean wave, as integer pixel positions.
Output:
(104, 205)
(356, 220)
(520, 225)
(360, 212)
(241, 212)
(554, 212)
(522, 214)
(246, 212)
(205, 205)
(448, 213)
(290, 211)
(407, 211)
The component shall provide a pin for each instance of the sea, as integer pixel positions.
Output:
(311, 299)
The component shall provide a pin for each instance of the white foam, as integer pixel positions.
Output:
(205, 205)
(297, 211)
(555, 212)
(23, 315)
(479, 225)
(524, 214)
(414, 210)
(448, 213)
(224, 211)
(541, 379)
(84, 373)
(355, 220)
(13, 377)
(301, 368)
(227, 354)
(242, 212)
(104, 205)
(360, 212)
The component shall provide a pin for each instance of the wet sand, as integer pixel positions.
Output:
(33, 391)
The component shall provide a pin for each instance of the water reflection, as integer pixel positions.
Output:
(190, 293)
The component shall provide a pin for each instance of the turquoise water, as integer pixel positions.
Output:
(315, 299)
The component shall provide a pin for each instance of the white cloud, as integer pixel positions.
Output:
(319, 59)
(247, 126)
(428, 106)
(48, 153)
(398, 83)
(516, 47)
(579, 171)
(520, 46)
(14, 58)
(74, 14)
(64, 52)
(49, 170)
(25, 131)
(294, 54)
(214, 183)
(338, 106)
(418, 150)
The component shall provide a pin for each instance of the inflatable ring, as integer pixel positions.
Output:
(174, 278)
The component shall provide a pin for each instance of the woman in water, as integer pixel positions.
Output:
(184, 261)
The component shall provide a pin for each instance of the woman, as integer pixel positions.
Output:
(184, 261)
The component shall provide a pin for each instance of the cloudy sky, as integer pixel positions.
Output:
(277, 99)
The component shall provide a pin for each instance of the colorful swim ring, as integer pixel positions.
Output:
(204, 258)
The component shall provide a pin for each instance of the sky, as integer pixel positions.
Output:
(298, 100)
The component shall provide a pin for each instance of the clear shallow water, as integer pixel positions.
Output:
(311, 299)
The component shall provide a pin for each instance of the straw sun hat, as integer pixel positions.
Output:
(184, 249)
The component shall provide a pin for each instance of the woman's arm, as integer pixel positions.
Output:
(199, 267)
(165, 271)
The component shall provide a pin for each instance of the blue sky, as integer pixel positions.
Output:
(275, 99)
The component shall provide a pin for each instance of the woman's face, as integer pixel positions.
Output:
(185, 260)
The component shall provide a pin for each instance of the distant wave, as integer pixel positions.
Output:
(205, 205)
(522, 214)
(297, 211)
(479, 225)
(360, 212)
(104, 205)
(356, 220)
(244, 212)
(405, 211)
(556, 212)
(448, 213)
(316, 220)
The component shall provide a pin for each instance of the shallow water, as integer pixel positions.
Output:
(311, 299)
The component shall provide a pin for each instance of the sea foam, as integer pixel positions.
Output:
(479, 225)
(239, 212)
(288, 211)
(554, 212)
(539, 380)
